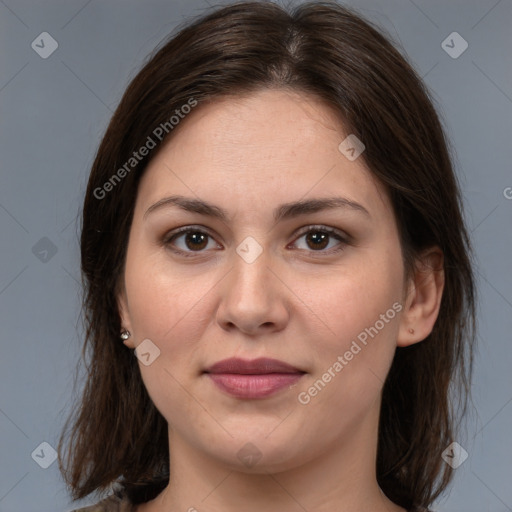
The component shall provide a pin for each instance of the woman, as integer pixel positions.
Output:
(279, 293)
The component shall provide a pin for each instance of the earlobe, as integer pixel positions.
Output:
(423, 299)
(126, 330)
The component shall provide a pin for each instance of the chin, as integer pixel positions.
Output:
(260, 453)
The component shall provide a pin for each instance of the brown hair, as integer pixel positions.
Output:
(326, 50)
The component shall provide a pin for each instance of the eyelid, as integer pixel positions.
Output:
(194, 228)
(321, 227)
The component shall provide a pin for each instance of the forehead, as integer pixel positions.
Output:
(274, 122)
(274, 144)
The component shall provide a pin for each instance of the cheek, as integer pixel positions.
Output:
(171, 311)
(349, 299)
(359, 311)
(164, 303)
(351, 365)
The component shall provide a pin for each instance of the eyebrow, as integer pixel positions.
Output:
(282, 212)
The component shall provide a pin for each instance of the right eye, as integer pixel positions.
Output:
(191, 240)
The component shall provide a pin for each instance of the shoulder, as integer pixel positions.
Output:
(117, 502)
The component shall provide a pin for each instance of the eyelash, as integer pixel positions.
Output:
(338, 235)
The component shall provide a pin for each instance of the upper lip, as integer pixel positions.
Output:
(259, 366)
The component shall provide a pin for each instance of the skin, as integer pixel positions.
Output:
(298, 302)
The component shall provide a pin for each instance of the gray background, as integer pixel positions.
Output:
(53, 114)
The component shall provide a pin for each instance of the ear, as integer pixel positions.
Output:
(122, 305)
(423, 299)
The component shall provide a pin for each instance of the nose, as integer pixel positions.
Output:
(254, 299)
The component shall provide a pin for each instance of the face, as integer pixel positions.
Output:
(318, 288)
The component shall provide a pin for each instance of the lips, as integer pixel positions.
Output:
(258, 378)
(252, 367)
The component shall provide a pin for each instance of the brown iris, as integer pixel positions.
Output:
(317, 237)
(198, 240)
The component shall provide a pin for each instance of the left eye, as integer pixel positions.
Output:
(319, 238)
(194, 240)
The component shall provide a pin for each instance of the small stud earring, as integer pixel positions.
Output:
(411, 331)
(125, 335)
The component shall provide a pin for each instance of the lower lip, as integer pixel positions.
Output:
(253, 386)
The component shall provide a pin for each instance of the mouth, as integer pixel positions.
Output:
(259, 366)
(250, 379)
